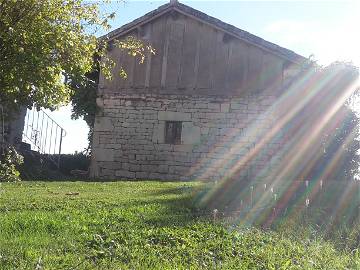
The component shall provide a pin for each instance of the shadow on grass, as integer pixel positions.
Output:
(172, 206)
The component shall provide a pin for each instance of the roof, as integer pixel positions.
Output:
(198, 15)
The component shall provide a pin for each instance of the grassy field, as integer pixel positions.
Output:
(140, 225)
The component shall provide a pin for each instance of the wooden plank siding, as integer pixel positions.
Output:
(157, 41)
(189, 68)
(194, 58)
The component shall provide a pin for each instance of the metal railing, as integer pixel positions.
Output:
(43, 134)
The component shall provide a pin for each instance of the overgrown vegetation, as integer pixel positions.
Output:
(9, 165)
(44, 167)
(83, 102)
(142, 225)
(77, 161)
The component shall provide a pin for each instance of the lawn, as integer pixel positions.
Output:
(140, 225)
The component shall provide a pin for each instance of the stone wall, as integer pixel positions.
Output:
(220, 137)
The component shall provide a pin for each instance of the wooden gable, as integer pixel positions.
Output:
(195, 58)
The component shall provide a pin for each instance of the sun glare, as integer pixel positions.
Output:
(293, 177)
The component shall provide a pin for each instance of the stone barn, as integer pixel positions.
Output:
(198, 108)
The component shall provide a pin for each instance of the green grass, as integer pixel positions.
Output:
(139, 225)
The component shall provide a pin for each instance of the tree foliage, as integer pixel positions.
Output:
(41, 42)
(45, 45)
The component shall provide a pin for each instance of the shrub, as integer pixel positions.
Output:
(9, 163)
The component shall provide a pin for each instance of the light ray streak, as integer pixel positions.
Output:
(285, 119)
(305, 143)
(251, 130)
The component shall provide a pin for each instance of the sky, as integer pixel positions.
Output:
(325, 30)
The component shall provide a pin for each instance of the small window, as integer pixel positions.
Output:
(173, 132)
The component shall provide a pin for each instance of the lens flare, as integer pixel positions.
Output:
(296, 170)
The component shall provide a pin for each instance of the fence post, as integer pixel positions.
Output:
(61, 136)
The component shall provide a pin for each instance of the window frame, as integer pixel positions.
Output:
(173, 132)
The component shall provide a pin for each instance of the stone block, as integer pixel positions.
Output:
(125, 174)
(190, 134)
(149, 168)
(163, 168)
(164, 148)
(157, 176)
(204, 131)
(96, 140)
(104, 124)
(125, 166)
(111, 102)
(253, 107)
(100, 102)
(187, 148)
(140, 157)
(238, 106)
(225, 107)
(141, 175)
(214, 107)
(178, 170)
(134, 167)
(159, 133)
(174, 116)
(103, 154)
(200, 105)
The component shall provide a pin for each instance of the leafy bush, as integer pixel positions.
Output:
(9, 163)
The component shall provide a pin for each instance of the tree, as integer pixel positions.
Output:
(47, 45)
(335, 151)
